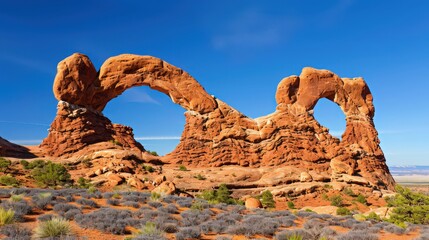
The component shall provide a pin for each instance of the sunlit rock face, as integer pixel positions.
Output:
(216, 134)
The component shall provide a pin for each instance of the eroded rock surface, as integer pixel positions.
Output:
(215, 134)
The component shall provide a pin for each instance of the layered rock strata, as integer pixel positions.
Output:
(215, 134)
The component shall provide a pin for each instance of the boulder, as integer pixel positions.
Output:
(165, 188)
(252, 203)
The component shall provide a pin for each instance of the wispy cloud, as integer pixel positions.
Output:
(26, 123)
(138, 95)
(158, 138)
(251, 28)
(30, 63)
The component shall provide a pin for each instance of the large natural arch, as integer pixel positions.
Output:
(216, 134)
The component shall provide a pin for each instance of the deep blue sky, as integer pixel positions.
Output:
(238, 50)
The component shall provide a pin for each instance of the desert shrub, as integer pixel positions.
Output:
(20, 209)
(154, 153)
(24, 163)
(8, 180)
(361, 198)
(155, 204)
(56, 227)
(150, 231)
(200, 177)
(361, 226)
(16, 198)
(409, 206)
(45, 217)
(4, 164)
(51, 174)
(146, 213)
(305, 213)
(290, 205)
(294, 234)
(69, 198)
(188, 232)
(193, 217)
(182, 168)
(348, 223)
(349, 192)
(15, 232)
(267, 199)
(358, 235)
(342, 211)
(185, 202)
(260, 225)
(198, 205)
(215, 226)
(87, 203)
(336, 200)
(372, 216)
(148, 168)
(42, 200)
(62, 208)
(84, 183)
(113, 202)
(170, 208)
(130, 204)
(221, 195)
(35, 164)
(106, 220)
(154, 196)
(392, 228)
(72, 213)
(6, 216)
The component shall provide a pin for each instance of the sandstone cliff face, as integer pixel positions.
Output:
(215, 134)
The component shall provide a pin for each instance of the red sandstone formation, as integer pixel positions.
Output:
(215, 134)
(8, 149)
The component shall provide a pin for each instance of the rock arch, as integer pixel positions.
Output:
(216, 134)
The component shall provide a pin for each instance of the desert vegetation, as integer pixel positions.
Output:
(214, 215)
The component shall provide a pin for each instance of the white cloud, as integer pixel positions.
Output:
(251, 28)
(138, 95)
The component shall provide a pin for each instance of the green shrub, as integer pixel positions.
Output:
(325, 197)
(411, 207)
(150, 231)
(92, 189)
(116, 195)
(342, 211)
(35, 164)
(116, 142)
(148, 168)
(153, 153)
(291, 205)
(373, 216)
(51, 174)
(4, 164)
(56, 227)
(267, 199)
(295, 237)
(197, 205)
(361, 198)
(221, 195)
(200, 177)
(83, 183)
(24, 163)
(9, 181)
(182, 168)
(349, 192)
(154, 196)
(16, 198)
(6, 216)
(336, 201)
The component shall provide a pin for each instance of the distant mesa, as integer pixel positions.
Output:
(216, 134)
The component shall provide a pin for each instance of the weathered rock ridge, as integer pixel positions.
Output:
(215, 134)
(8, 149)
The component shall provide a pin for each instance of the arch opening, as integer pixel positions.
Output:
(330, 115)
(157, 122)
